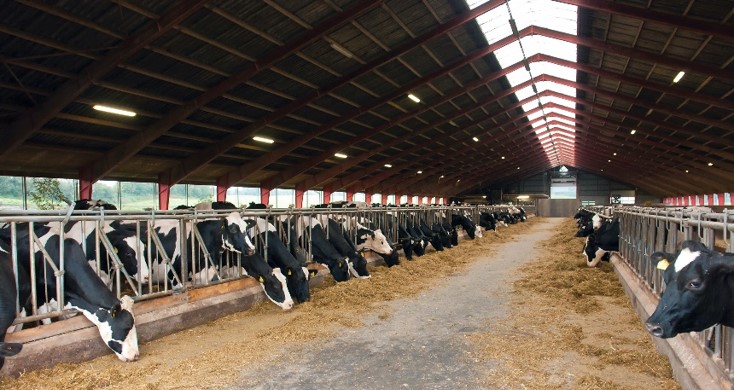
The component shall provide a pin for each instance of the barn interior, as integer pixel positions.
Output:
(434, 98)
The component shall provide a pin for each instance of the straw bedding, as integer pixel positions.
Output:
(560, 319)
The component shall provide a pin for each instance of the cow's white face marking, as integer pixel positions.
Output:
(305, 272)
(684, 258)
(596, 221)
(478, 231)
(287, 303)
(137, 245)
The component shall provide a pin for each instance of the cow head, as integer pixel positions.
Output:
(373, 240)
(274, 284)
(116, 325)
(358, 266)
(697, 293)
(131, 252)
(233, 235)
(297, 282)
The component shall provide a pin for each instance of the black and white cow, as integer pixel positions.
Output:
(369, 237)
(88, 204)
(8, 292)
(226, 233)
(278, 256)
(433, 238)
(469, 227)
(340, 240)
(84, 291)
(127, 245)
(602, 242)
(488, 221)
(698, 291)
(321, 249)
(405, 240)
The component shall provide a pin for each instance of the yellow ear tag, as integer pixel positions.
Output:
(260, 279)
(663, 264)
(116, 251)
(290, 273)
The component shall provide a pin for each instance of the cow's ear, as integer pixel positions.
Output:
(721, 263)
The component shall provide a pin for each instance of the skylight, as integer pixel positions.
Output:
(552, 15)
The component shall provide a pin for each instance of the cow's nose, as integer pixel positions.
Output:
(654, 329)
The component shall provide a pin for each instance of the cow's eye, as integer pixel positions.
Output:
(694, 284)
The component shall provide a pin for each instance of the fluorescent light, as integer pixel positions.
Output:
(475, 139)
(609, 160)
(441, 177)
(503, 157)
(711, 164)
(679, 76)
(113, 110)
(414, 98)
(518, 167)
(633, 131)
(388, 165)
(686, 171)
(340, 155)
(341, 49)
(614, 154)
(263, 139)
(420, 172)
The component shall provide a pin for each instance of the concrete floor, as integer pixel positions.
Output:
(422, 345)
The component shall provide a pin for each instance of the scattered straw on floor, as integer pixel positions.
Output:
(571, 326)
(211, 355)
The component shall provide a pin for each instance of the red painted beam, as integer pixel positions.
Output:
(33, 120)
(637, 54)
(725, 31)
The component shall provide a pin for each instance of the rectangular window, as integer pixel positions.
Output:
(312, 198)
(563, 188)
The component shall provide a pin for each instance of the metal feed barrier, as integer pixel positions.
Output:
(645, 230)
(228, 267)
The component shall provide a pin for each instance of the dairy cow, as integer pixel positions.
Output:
(278, 256)
(8, 292)
(226, 233)
(369, 237)
(340, 240)
(309, 228)
(699, 291)
(602, 242)
(84, 291)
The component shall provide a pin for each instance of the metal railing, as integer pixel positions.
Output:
(164, 279)
(645, 230)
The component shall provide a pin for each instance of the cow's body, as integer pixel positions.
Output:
(321, 249)
(602, 242)
(221, 234)
(84, 290)
(8, 293)
(343, 244)
(699, 291)
(278, 256)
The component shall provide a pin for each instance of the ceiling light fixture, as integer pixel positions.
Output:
(475, 139)
(503, 157)
(633, 131)
(523, 197)
(388, 165)
(614, 154)
(414, 98)
(711, 164)
(113, 110)
(340, 155)
(679, 76)
(263, 139)
(420, 172)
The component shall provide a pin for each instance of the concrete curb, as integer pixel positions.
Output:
(692, 367)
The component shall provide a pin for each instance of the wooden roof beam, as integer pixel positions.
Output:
(123, 152)
(199, 160)
(26, 125)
